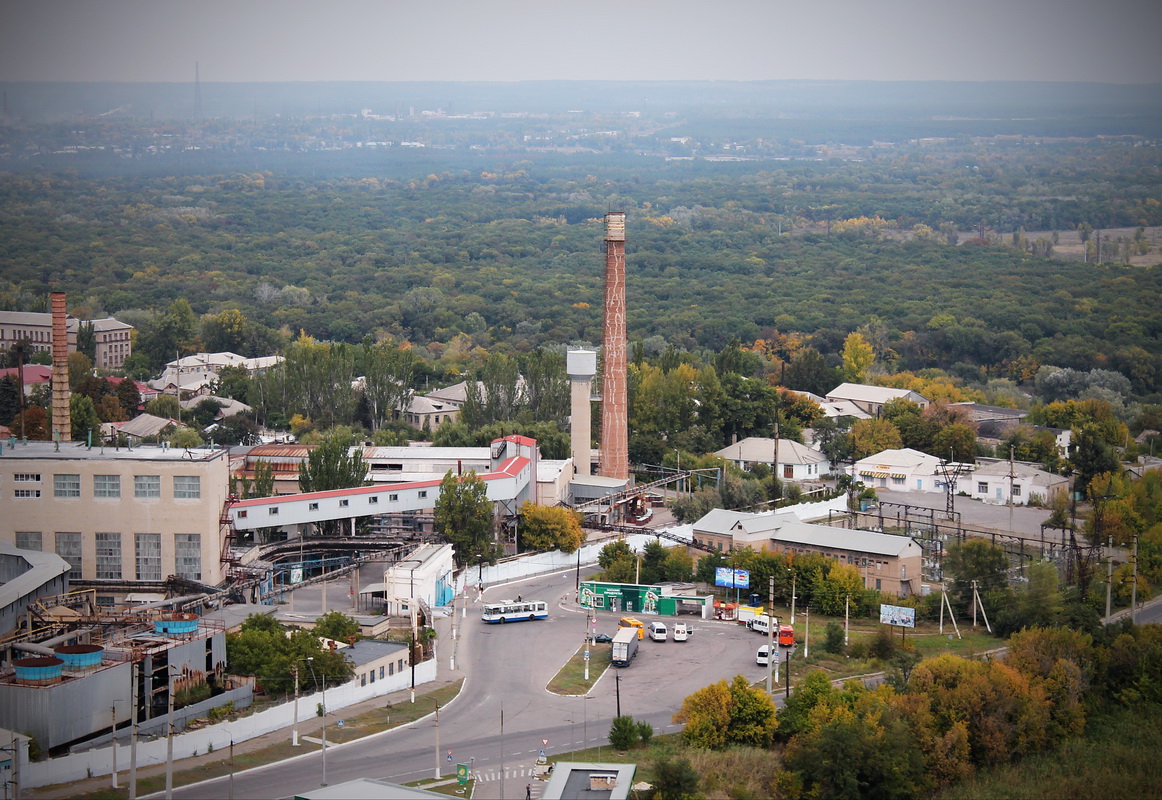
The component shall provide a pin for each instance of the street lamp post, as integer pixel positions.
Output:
(311, 666)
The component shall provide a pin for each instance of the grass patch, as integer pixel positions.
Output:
(738, 772)
(1115, 759)
(356, 727)
(570, 679)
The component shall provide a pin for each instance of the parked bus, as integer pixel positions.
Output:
(515, 611)
(633, 622)
(786, 636)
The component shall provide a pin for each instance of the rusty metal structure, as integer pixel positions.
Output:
(614, 462)
(62, 429)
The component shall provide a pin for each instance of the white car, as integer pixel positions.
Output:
(681, 632)
(763, 656)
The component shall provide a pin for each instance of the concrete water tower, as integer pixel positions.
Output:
(581, 364)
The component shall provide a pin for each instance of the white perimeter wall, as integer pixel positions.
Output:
(77, 766)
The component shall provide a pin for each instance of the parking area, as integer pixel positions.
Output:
(714, 651)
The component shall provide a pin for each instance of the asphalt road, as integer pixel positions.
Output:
(507, 668)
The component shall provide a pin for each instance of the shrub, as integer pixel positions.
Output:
(623, 733)
(833, 637)
(675, 780)
(883, 644)
(645, 731)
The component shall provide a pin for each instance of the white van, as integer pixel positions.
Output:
(657, 631)
(763, 656)
(681, 632)
(761, 624)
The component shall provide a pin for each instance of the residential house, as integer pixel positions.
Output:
(141, 427)
(428, 414)
(871, 399)
(833, 409)
(376, 660)
(34, 375)
(114, 339)
(796, 462)
(193, 375)
(990, 483)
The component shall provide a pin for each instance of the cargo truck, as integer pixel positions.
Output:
(624, 647)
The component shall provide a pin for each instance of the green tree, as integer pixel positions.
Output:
(809, 372)
(332, 465)
(164, 406)
(549, 528)
(979, 561)
(83, 418)
(129, 397)
(463, 515)
(388, 375)
(338, 626)
(613, 552)
(814, 689)
(957, 442)
(184, 437)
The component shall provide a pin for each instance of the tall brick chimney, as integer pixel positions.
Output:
(62, 427)
(614, 413)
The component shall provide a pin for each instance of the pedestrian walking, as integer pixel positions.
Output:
(528, 791)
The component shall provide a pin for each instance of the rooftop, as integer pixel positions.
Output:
(48, 451)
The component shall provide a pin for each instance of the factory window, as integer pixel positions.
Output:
(272, 511)
(393, 497)
(1016, 490)
(982, 488)
(68, 547)
(26, 493)
(344, 503)
(187, 487)
(312, 506)
(108, 556)
(146, 486)
(148, 550)
(423, 494)
(381, 673)
(188, 555)
(28, 540)
(372, 674)
(66, 485)
(26, 477)
(373, 500)
(362, 682)
(107, 486)
(400, 667)
(391, 669)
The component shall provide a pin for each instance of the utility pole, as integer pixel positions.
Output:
(807, 634)
(1109, 575)
(133, 668)
(295, 725)
(113, 732)
(169, 735)
(1134, 585)
(437, 740)
(974, 604)
(771, 654)
(846, 618)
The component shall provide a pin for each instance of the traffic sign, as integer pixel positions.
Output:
(542, 754)
(545, 742)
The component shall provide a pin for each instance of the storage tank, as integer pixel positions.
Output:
(38, 671)
(179, 624)
(80, 657)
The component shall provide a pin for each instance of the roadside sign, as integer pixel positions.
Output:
(542, 754)
(545, 742)
(586, 655)
(462, 774)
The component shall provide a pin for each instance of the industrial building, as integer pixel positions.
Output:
(121, 517)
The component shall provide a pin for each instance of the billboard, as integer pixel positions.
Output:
(733, 578)
(900, 616)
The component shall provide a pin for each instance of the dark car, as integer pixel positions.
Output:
(602, 638)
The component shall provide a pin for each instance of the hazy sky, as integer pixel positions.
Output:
(512, 40)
